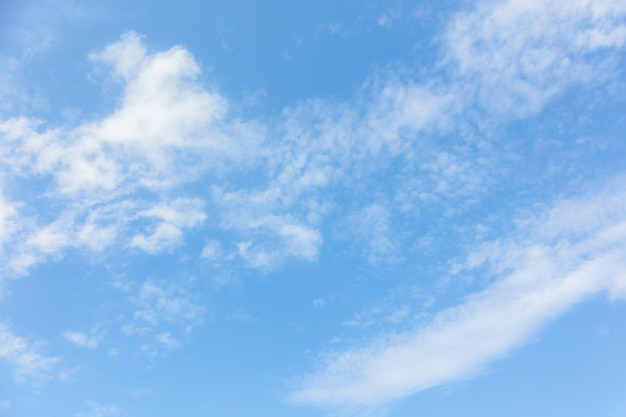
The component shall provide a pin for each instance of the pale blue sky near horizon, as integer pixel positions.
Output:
(278, 208)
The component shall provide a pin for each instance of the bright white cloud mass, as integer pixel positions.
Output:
(405, 208)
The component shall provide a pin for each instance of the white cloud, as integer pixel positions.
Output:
(162, 110)
(42, 243)
(163, 238)
(175, 215)
(267, 238)
(13, 94)
(31, 30)
(96, 237)
(243, 316)
(158, 303)
(96, 229)
(451, 176)
(319, 302)
(319, 148)
(27, 151)
(167, 120)
(401, 306)
(541, 272)
(167, 131)
(518, 54)
(139, 392)
(293, 240)
(401, 110)
(83, 340)
(333, 27)
(163, 315)
(168, 341)
(24, 357)
(300, 240)
(180, 212)
(99, 410)
(322, 146)
(211, 250)
(372, 226)
(7, 220)
(170, 130)
(50, 239)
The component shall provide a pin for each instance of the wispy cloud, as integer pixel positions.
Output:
(99, 410)
(32, 30)
(401, 306)
(140, 392)
(372, 226)
(24, 357)
(164, 315)
(519, 54)
(7, 220)
(573, 251)
(174, 216)
(83, 340)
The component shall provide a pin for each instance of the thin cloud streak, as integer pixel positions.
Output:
(508, 60)
(537, 280)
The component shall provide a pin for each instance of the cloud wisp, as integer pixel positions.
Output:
(83, 340)
(540, 272)
(28, 363)
(517, 55)
(164, 315)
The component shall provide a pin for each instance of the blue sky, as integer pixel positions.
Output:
(347, 208)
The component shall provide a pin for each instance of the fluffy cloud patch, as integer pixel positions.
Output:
(166, 132)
